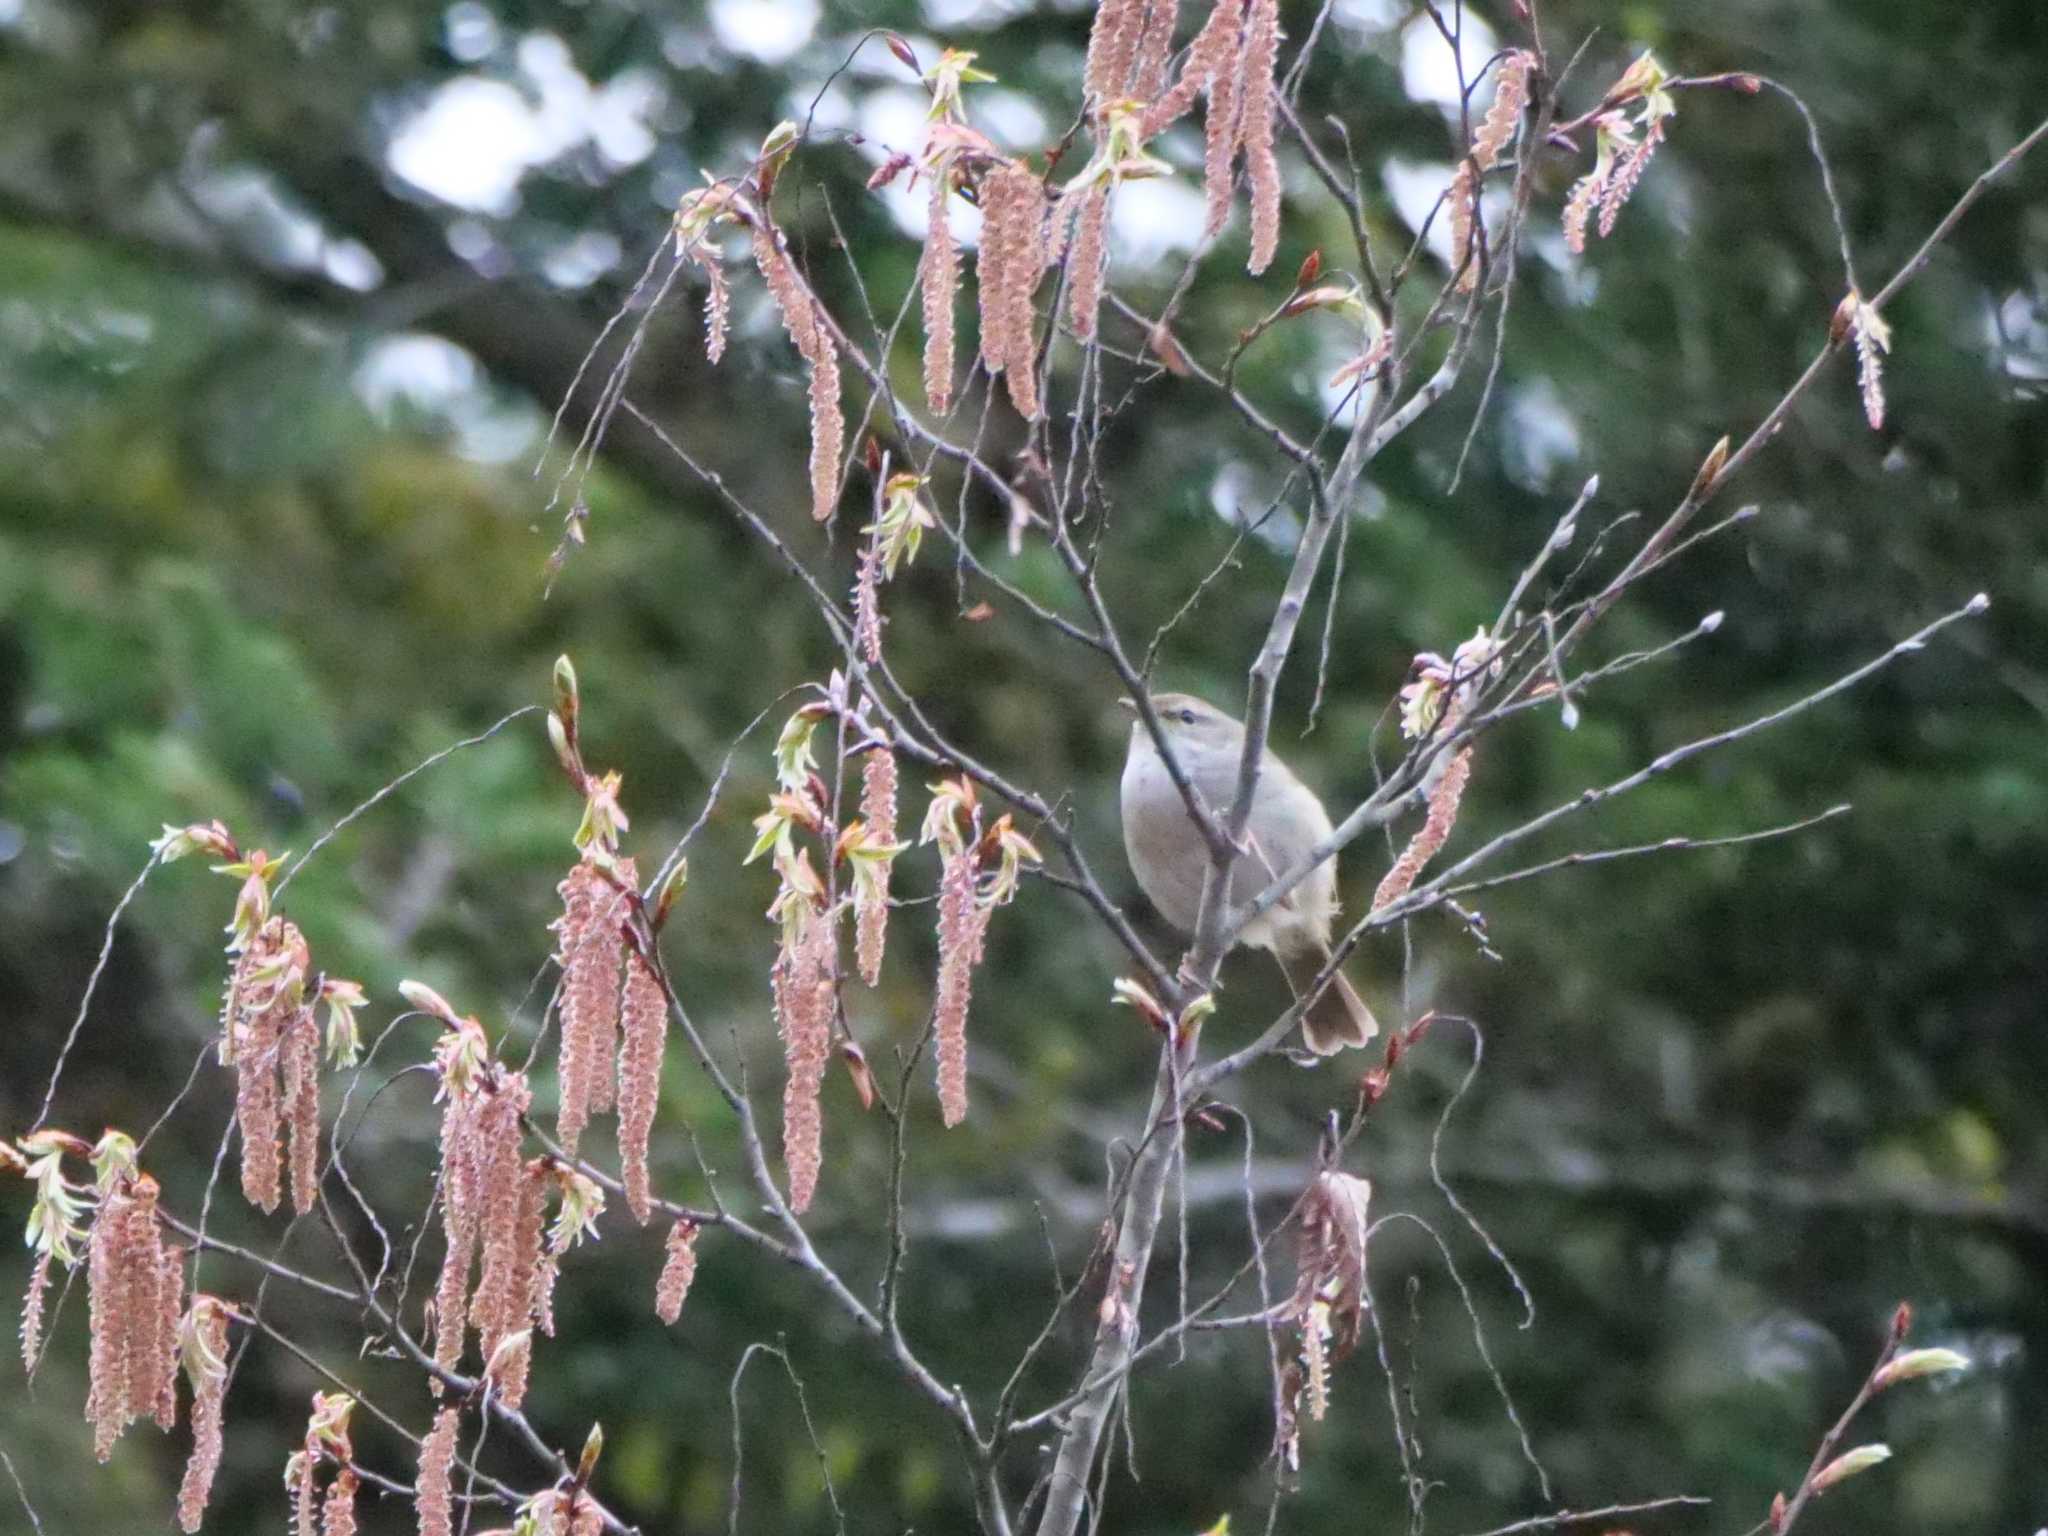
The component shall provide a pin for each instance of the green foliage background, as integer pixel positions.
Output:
(1735, 1104)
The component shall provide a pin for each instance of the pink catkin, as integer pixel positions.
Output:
(1510, 96)
(717, 307)
(871, 912)
(1628, 170)
(939, 275)
(1463, 203)
(1431, 836)
(163, 1341)
(459, 1211)
(1262, 169)
(791, 299)
(508, 1228)
(867, 600)
(106, 1389)
(135, 1320)
(132, 1353)
(305, 1503)
(1220, 132)
(828, 431)
(1089, 256)
(338, 1510)
(32, 1310)
(1869, 369)
(544, 1278)
(510, 1367)
(299, 1061)
(1011, 257)
(813, 341)
(156, 1291)
(990, 261)
(963, 923)
(434, 1496)
(257, 1112)
(209, 1390)
(258, 1014)
(1578, 208)
(1025, 235)
(1155, 44)
(643, 1040)
(589, 953)
(678, 1269)
(1212, 53)
(803, 1012)
(1113, 50)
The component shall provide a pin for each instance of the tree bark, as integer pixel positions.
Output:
(1116, 1336)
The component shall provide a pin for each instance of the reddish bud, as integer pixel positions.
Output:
(1777, 1512)
(567, 699)
(1129, 993)
(1749, 85)
(428, 1001)
(1168, 351)
(1845, 312)
(888, 171)
(1328, 296)
(565, 749)
(857, 1068)
(873, 458)
(671, 891)
(1902, 1320)
(980, 613)
(593, 1447)
(1311, 268)
(905, 55)
(1709, 472)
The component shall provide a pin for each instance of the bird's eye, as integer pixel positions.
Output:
(1187, 717)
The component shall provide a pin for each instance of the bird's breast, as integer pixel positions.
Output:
(1165, 849)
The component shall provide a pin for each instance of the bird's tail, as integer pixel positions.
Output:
(1338, 1017)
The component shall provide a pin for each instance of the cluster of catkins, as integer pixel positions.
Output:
(1328, 1304)
(326, 1447)
(270, 1024)
(139, 1322)
(614, 1020)
(979, 868)
(614, 1001)
(493, 1198)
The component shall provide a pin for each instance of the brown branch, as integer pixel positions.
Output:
(1783, 1518)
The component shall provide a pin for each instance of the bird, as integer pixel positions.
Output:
(1170, 857)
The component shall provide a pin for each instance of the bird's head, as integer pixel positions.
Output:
(1189, 722)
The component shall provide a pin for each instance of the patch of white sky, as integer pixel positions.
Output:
(772, 31)
(426, 376)
(247, 201)
(477, 135)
